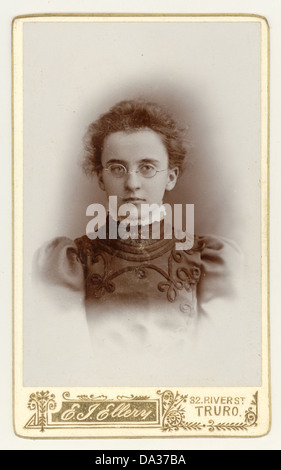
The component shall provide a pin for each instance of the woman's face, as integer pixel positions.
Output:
(127, 159)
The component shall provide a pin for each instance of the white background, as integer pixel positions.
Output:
(271, 10)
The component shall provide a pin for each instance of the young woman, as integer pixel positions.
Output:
(150, 307)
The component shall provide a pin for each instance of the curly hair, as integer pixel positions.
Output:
(131, 116)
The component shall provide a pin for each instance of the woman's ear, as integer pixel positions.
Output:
(172, 178)
(100, 179)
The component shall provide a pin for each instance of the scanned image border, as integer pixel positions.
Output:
(135, 412)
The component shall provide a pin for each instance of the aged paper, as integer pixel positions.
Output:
(164, 347)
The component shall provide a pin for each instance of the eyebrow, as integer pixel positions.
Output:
(122, 162)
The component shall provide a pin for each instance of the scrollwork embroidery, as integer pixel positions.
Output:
(98, 284)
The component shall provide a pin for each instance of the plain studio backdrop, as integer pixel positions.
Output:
(207, 74)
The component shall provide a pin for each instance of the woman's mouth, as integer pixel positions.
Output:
(133, 200)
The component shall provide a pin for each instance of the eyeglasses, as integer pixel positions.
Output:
(146, 170)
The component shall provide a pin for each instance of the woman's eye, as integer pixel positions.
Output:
(118, 170)
(147, 169)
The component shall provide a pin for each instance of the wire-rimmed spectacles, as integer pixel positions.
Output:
(146, 170)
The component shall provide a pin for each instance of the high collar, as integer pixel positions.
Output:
(144, 246)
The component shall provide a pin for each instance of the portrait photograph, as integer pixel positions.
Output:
(140, 225)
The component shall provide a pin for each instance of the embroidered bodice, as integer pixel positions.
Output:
(146, 302)
(143, 270)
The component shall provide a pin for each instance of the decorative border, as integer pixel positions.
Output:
(174, 416)
(90, 411)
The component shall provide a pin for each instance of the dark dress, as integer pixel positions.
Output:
(144, 312)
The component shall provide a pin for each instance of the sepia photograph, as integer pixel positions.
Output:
(141, 153)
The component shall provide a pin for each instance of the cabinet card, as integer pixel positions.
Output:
(140, 156)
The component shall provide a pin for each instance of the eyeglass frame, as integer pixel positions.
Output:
(131, 171)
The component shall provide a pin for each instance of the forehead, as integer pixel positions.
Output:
(134, 146)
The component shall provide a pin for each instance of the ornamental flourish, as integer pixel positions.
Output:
(168, 411)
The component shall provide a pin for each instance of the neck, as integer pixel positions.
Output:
(149, 214)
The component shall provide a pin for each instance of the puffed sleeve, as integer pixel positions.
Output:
(57, 262)
(57, 342)
(223, 349)
(221, 265)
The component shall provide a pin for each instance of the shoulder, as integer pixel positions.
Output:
(219, 250)
(57, 262)
(218, 264)
(212, 250)
(84, 244)
(221, 262)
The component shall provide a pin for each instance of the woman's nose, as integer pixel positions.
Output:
(132, 180)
